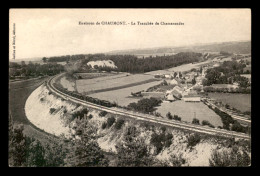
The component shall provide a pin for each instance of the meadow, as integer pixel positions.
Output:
(241, 102)
(123, 96)
(114, 82)
(188, 110)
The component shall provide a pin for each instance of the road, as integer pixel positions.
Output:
(148, 118)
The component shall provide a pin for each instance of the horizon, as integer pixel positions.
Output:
(56, 32)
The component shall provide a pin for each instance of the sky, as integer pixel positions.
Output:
(54, 32)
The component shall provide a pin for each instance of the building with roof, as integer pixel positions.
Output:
(192, 96)
(173, 82)
(170, 97)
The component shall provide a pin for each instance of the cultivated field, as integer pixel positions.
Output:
(181, 68)
(93, 75)
(188, 67)
(241, 102)
(108, 83)
(121, 96)
(188, 110)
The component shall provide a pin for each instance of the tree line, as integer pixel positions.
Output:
(132, 64)
(33, 70)
(227, 73)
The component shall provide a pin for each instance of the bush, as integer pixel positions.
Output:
(52, 110)
(90, 116)
(177, 160)
(119, 123)
(161, 140)
(145, 105)
(42, 99)
(163, 128)
(205, 122)
(80, 114)
(65, 111)
(176, 117)
(49, 93)
(234, 158)
(103, 113)
(110, 121)
(195, 121)
(104, 125)
(169, 116)
(193, 140)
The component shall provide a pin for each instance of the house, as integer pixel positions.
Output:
(177, 92)
(170, 97)
(173, 82)
(191, 97)
(167, 76)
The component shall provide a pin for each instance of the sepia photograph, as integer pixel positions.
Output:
(149, 87)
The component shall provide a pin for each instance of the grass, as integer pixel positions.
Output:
(108, 83)
(188, 110)
(123, 96)
(238, 101)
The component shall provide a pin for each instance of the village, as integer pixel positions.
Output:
(187, 85)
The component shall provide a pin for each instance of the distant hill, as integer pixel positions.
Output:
(231, 47)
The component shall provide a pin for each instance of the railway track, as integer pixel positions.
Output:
(146, 117)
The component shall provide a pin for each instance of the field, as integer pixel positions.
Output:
(188, 67)
(121, 96)
(241, 102)
(18, 94)
(181, 68)
(92, 75)
(188, 110)
(108, 83)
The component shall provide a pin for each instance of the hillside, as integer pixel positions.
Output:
(232, 47)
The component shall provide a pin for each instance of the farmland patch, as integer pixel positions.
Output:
(188, 110)
(238, 101)
(123, 96)
(115, 82)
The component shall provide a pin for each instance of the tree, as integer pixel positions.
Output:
(35, 154)
(234, 158)
(85, 152)
(193, 81)
(110, 121)
(195, 121)
(119, 123)
(180, 75)
(169, 116)
(133, 152)
(17, 146)
(44, 59)
(193, 140)
(55, 154)
(212, 76)
(176, 160)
